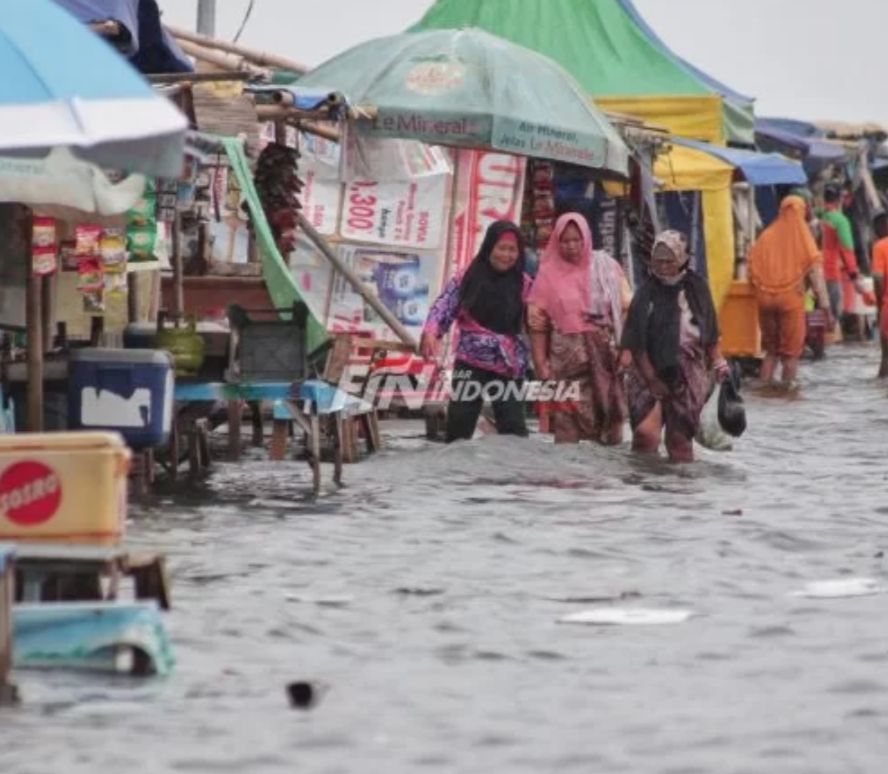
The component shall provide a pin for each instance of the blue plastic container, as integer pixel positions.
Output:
(127, 390)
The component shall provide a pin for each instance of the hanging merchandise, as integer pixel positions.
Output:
(112, 248)
(141, 228)
(94, 301)
(115, 285)
(167, 196)
(86, 238)
(68, 257)
(90, 275)
(44, 256)
(279, 187)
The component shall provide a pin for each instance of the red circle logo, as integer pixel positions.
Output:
(30, 493)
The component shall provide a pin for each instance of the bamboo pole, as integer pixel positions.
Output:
(228, 62)
(296, 118)
(356, 283)
(258, 57)
(333, 135)
(282, 113)
(161, 79)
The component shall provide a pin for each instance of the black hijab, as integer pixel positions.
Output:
(654, 321)
(494, 298)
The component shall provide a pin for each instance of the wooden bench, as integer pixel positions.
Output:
(69, 573)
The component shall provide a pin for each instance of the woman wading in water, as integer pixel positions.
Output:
(672, 335)
(487, 304)
(575, 316)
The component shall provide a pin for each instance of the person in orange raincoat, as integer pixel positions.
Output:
(782, 260)
(880, 274)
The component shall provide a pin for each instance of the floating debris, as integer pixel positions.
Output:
(616, 616)
(837, 589)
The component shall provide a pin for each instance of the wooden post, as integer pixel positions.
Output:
(34, 322)
(47, 301)
(132, 297)
(178, 291)
(8, 694)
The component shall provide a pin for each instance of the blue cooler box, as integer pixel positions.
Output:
(127, 390)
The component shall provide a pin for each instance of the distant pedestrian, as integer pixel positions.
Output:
(839, 260)
(782, 262)
(880, 275)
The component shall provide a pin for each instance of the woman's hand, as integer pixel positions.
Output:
(544, 372)
(624, 361)
(722, 370)
(658, 388)
(428, 346)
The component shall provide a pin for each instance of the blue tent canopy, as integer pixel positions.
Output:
(757, 168)
(798, 138)
(150, 48)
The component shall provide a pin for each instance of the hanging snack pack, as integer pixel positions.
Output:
(86, 238)
(91, 284)
(141, 229)
(90, 275)
(68, 255)
(44, 255)
(113, 251)
(112, 248)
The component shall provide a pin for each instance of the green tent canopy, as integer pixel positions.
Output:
(604, 44)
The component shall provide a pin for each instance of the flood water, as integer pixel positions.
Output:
(426, 595)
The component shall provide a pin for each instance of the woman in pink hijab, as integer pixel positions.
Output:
(575, 316)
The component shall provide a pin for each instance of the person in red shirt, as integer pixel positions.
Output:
(839, 261)
(880, 271)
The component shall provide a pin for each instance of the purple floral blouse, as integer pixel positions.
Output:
(477, 346)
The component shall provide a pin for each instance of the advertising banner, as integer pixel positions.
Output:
(490, 187)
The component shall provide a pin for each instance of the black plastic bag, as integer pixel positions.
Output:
(731, 411)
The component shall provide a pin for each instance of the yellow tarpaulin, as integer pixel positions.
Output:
(694, 117)
(689, 169)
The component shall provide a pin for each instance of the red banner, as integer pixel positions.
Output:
(489, 187)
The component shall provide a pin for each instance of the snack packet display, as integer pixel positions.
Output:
(86, 238)
(44, 257)
(44, 232)
(91, 276)
(112, 248)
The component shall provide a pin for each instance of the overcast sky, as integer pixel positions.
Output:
(805, 59)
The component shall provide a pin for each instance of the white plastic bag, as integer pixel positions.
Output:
(710, 435)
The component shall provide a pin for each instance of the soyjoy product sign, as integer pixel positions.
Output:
(30, 493)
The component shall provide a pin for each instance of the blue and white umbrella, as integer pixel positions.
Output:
(62, 86)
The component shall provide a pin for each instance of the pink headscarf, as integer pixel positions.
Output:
(570, 292)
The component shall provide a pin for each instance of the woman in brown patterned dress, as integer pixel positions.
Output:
(672, 335)
(575, 318)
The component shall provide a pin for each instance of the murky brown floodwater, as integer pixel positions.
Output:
(426, 596)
